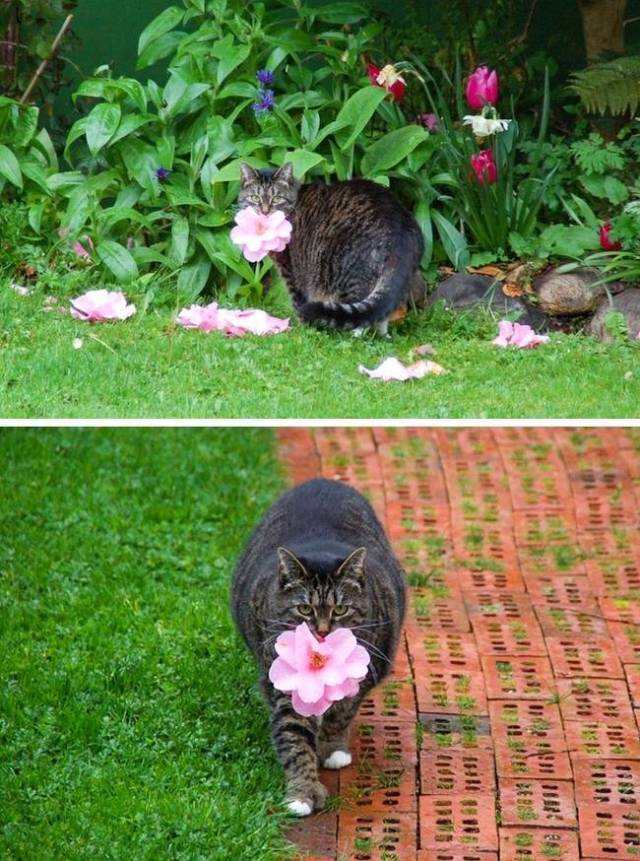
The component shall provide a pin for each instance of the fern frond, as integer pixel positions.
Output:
(612, 87)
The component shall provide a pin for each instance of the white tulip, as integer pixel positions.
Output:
(483, 127)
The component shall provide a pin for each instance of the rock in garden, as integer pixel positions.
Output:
(462, 292)
(626, 303)
(570, 293)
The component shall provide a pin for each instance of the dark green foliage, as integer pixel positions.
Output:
(612, 87)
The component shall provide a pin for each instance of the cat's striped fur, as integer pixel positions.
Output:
(355, 250)
(319, 547)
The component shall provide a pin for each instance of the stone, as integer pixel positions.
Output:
(463, 292)
(571, 293)
(627, 303)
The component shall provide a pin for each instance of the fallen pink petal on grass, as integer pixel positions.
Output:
(101, 306)
(258, 234)
(231, 321)
(393, 369)
(518, 335)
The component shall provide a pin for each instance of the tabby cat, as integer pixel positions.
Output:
(319, 556)
(355, 250)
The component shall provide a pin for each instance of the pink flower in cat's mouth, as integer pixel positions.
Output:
(258, 234)
(316, 672)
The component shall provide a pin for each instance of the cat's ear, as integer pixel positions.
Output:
(290, 568)
(285, 173)
(353, 567)
(247, 174)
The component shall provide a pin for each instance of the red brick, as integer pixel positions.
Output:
(522, 843)
(610, 832)
(377, 837)
(316, 835)
(617, 609)
(382, 777)
(518, 637)
(298, 450)
(545, 528)
(526, 720)
(446, 732)
(626, 637)
(518, 678)
(455, 772)
(532, 758)
(615, 573)
(455, 855)
(458, 821)
(429, 611)
(632, 674)
(393, 699)
(607, 782)
(571, 622)
(537, 477)
(549, 803)
(576, 658)
(450, 692)
(610, 740)
(450, 650)
(503, 606)
(594, 700)
(572, 592)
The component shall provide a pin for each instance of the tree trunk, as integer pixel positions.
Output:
(603, 25)
(8, 46)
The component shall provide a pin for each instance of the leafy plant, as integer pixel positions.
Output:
(157, 169)
(612, 87)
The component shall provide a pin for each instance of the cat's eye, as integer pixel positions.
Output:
(340, 610)
(305, 609)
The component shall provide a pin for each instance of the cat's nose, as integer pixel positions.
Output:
(265, 209)
(322, 629)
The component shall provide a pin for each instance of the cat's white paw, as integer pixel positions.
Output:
(300, 808)
(338, 759)
(359, 331)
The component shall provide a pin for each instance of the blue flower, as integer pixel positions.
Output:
(265, 103)
(162, 173)
(265, 77)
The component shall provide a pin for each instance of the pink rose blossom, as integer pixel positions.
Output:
(483, 88)
(518, 335)
(231, 321)
(101, 306)
(258, 234)
(318, 673)
(393, 369)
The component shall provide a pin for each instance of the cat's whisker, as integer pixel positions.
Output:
(370, 625)
(373, 648)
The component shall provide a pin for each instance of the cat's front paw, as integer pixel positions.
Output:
(302, 801)
(338, 759)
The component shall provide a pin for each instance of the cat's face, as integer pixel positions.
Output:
(324, 599)
(267, 190)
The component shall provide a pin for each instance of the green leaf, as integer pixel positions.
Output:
(193, 279)
(302, 161)
(26, 126)
(159, 48)
(130, 123)
(422, 215)
(358, 110)
(160, 25)
(454, 243)
(102, 124)
(338, 13)
(117, 259)
(230, 55)
(9, 167)
(34, 216)
(386, 152)
(34, 171)
(179, 240)
(231, 171)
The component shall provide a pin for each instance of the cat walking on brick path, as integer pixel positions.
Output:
(320, 556)
(354, 255)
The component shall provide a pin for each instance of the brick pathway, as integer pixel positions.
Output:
(507, 730)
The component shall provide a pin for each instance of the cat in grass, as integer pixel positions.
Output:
(318, 556)
(355, 251)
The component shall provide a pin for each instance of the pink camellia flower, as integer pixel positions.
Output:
(210, 318)
(483, 88)
(518, 335)
(318, 673)
(606, 243)
(258, 234)
(484, 167)
(393, 369)
(101, 306)
(389, 78)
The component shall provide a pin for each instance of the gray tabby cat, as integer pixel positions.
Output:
(319, 556)
(355, 251)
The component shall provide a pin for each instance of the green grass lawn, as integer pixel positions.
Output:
(148, 367)
(130, 722)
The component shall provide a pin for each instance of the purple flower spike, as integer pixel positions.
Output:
(265, 103)
(162, 173)
(265, 77)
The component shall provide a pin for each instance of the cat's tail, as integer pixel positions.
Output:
(389, 293)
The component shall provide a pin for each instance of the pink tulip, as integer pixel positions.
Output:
(518, 335)
(484, 167)
(101, 306)
(317, 674)
(482, 88)
(258, 234)
(211, 318)
(606, 243)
